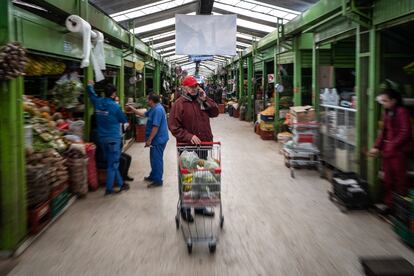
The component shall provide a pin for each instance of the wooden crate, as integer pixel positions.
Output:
(140, 133)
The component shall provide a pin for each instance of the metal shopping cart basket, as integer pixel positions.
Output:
(199, 185)
(302, 151)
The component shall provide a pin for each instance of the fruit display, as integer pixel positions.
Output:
(65, 94)
(270, 111)
(12, 61)
(38, 66)
(46, 134)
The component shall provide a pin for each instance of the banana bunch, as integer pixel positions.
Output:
(12, 61)
(44, 66)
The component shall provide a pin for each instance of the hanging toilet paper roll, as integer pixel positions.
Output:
(76, 24)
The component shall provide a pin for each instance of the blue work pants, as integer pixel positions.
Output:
(157, 162)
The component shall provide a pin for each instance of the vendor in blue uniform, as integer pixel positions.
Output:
(156, 136)
(108, 117)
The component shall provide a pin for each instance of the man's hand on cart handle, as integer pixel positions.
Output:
(91, 82)
(195, 140)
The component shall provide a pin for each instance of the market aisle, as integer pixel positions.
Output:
(273, 225)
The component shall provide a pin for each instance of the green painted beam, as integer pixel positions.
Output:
(276, 97)
(241, 78)
(264, 82)
(373, 109)
(157, 79)
(121, 85)
(315, 85)
(386, 10)
(297, 73)
(87, 116)
(250, 70)
(13, 212)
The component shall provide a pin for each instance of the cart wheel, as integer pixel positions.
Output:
(287, 165)
(343, 208)
(212, 247)
(292, 173)
(221, 222)
(190, 248)
(330, 196)
(177, 222)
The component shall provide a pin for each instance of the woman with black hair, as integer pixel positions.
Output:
(393, 142)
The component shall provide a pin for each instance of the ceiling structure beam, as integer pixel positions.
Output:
(243, 40)
(248, 18)
(165, 14)
(161, 40)
(251, 32)
(296, 5)
(158, 31)
(111, 7)
(164, 46)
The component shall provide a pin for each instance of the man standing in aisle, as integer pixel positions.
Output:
(189, 122)
(156, 135)
(108, 118)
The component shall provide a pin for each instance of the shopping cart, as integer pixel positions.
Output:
(302, 151)
(199, 185)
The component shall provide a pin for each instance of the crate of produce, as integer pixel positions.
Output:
(140, 133)
(266, 135)
(59, 202)
(39, 217)
(236, 113)
(267, 126)
(267, 118)
(221, 108)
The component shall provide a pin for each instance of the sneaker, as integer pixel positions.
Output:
(128, 178)
(154, 185)
(204, 212)
(107, 193)
(125, 187)
(186, 215)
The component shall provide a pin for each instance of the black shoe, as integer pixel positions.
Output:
(125, 187)
(148, 179)
(154, 185)
(204, 212)
(186, 215)
(107, 192)
(128, 178)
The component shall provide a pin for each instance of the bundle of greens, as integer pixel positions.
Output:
(65, 94)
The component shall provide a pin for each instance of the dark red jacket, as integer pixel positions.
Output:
(396, 136)
(187, 119)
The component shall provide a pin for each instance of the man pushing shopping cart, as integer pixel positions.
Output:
(198, 160)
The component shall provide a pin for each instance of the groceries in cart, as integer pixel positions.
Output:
(200, 178)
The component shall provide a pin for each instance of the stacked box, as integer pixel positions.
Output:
(302, 114)
(349, 188)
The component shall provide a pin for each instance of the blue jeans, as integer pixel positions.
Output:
(112, 151)
(157, 162)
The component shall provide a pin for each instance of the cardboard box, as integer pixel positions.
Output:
(326, 76)
(303, 114)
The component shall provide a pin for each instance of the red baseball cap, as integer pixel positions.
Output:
(189, 81)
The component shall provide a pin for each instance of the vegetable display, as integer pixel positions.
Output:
(12, 61)
(65, 94)
(44, 66)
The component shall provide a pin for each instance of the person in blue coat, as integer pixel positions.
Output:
(156, 136)
(109, 116)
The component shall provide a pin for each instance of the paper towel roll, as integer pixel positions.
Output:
(76, 24)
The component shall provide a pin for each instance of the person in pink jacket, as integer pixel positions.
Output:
(393, 143)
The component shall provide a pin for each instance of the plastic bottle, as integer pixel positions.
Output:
(334, 97)
(326, 97)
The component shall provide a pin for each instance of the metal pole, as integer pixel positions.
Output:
(241, 77)
(297, 73)
(249, 88)
(373, 109)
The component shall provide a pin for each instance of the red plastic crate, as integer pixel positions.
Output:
(221, 108)
(140, 133)
(39, 217)
(266, 135)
